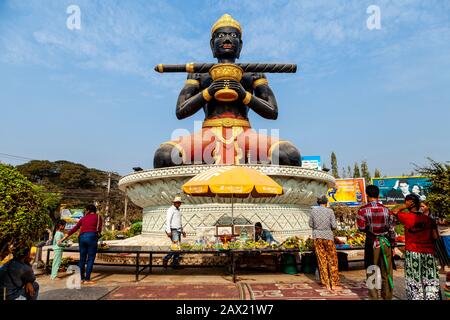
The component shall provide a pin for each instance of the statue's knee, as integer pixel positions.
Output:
(286, 154)
(167, 156)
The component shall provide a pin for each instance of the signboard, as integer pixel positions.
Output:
(393, 190)
(311, 162)
(71, 217)
(206, 235)
(350, 192)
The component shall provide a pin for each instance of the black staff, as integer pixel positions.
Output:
(247, 67)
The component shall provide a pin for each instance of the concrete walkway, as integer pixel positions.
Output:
(111, 278)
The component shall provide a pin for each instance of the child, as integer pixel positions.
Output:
(57, 248)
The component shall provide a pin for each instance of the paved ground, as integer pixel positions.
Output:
(195, 283)
(260, 284)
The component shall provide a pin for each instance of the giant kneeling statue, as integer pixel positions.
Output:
(226, 91)
(226, 136)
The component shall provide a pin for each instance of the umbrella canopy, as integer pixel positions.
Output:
(232, 181)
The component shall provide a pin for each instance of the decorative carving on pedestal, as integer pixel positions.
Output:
(286, 215)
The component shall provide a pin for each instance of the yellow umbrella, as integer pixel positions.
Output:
(232, 181)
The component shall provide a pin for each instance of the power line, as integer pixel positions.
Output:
(7, 155)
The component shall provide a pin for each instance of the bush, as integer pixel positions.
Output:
(23, 212)
(135, 229)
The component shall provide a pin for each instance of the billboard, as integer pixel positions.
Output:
(71, 216)
(311, 162)
(393, 190)
(350, 192)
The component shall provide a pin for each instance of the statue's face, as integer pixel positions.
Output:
(226, 43)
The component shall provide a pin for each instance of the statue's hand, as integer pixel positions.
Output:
(237, 86)
(216, 86)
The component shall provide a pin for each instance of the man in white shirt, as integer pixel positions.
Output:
(174, 230)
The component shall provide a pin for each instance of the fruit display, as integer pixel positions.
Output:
(186, 246)
(349, 238)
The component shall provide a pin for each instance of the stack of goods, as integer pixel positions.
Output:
(298, 243)
(346, 239)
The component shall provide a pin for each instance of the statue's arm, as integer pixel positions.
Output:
(190, 99)
(263, 100)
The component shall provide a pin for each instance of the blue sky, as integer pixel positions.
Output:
(91, 96)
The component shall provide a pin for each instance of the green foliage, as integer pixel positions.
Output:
(78, 186)
(365, 173)
(334, 166)
(135, 229)
(377, 173)
(23, 212)
(438, 197)
(356, 172)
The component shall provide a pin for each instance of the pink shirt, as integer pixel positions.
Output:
(88, 224)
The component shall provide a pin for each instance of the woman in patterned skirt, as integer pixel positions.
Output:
(421, 271)
(322, 221)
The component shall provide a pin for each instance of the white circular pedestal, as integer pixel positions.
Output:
(284, 216)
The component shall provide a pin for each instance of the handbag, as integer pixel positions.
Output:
(99, 232)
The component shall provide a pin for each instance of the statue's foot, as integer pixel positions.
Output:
(167, 155)
(286, 154)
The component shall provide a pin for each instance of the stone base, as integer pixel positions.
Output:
(286, 215)
(283, 220)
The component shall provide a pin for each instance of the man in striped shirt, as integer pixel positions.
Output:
(378, 223)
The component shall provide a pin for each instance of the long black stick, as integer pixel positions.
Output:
(247, 67)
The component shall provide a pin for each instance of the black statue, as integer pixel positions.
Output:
(226, 136)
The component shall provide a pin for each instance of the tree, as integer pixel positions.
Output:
(365, 173)
(349, 172)
(377, 173)
(78, 186)
(334, 166)
(343, 173)
(356, 173)
(23, 215)
(438, 197)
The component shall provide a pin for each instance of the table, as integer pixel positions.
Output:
(151, 250)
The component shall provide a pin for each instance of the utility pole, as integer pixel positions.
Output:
(107, 200)
(126, 208)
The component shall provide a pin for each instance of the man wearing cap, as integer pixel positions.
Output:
(174, 230)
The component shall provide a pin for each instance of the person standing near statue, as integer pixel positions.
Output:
(90, 227)
(378, 223)
(58, 248)
(174, 230)
(322, 222)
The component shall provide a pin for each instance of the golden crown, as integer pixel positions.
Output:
(226, 21)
